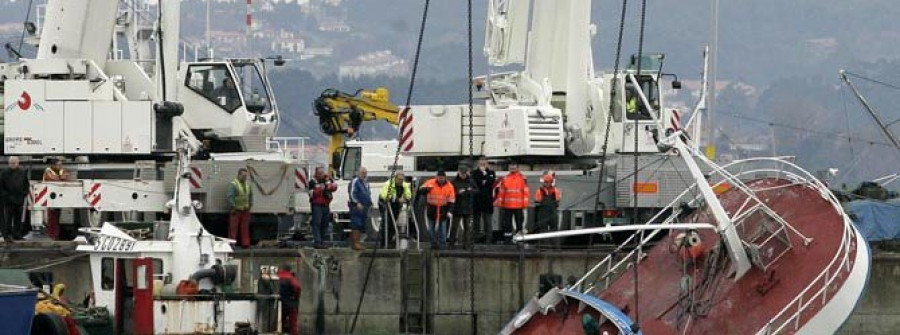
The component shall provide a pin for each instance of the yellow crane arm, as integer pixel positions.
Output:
(341, 114)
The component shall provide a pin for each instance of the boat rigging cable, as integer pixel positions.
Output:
(638, 242)
(870, 109)
(799, 128)
(876, 81)
(847, 121)
(409, 93)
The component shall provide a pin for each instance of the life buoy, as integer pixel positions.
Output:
(689, 245)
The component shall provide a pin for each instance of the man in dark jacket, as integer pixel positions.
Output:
(14, 187)
(461, 226)
(289, 293)
(483, 206)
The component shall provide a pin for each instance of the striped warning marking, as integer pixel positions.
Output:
(676, 120)
(94, 195)
(196, 177)
(406, 130)
(300, 179)
(40, 199)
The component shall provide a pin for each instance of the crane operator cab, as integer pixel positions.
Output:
(632, 109)
(228, 99)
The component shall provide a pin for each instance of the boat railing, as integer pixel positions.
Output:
(292, 148)
(791, 315)
(611, 269)
(609, 259)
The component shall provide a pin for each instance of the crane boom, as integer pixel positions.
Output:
(341, 114)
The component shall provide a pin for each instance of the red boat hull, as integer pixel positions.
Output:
(663, 301)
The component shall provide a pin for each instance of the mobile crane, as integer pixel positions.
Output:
(558, 113)
(116, 109)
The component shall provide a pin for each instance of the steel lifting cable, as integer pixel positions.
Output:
(471, 219)
(409, 93)
(634, 195)
(606, 132)
(412, 83)
(24, 23)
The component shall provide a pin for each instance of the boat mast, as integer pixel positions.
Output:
(727, 230)
(695, 123)
(711, 90)
(871, 110)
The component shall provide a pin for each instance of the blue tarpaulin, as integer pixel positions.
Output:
(16, 309)
(876, 220)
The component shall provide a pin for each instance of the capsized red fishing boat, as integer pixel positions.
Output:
(768, 250)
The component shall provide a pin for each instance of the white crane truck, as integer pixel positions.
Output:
(555, 114)
(99, 95)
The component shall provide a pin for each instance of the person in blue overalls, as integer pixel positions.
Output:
(360, 202)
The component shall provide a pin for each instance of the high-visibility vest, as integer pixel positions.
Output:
(49, 171)
(512, 192)
(440, 196)
(389, 191)
(632, 105)
(241, 195)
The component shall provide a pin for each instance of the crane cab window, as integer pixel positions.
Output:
(254, 88)
(214, 82)
(634, 107)
(351, 161)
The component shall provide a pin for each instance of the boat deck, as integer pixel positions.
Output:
(716, 304)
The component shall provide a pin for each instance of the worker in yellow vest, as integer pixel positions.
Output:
(240, 197)
(54, 173)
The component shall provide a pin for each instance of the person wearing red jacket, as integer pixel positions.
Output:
(441, 196)
(512, 200)
(546, 205)
(289, 294)
(321, 190)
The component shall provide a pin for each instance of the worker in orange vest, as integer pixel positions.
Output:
(546, 201)
(512, 199)
(441, 197)
(54, 173)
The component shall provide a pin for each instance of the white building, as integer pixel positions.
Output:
(376, 63)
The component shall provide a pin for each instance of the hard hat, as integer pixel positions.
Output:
(547, 178)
